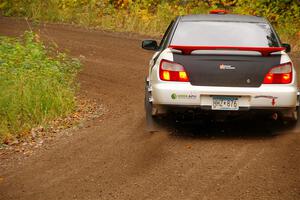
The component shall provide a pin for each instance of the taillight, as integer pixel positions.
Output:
(171, 71)
(281, 74)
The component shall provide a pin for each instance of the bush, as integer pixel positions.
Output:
(36, 84)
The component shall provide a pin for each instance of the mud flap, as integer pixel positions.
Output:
(293, 120)
(296, 113)
(151, 124)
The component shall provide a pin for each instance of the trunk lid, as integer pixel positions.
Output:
(226, 70)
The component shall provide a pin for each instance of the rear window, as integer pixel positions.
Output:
(209, 33)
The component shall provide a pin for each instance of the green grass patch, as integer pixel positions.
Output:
(36, 84)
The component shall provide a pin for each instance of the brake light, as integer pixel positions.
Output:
(281, 74)
(171, 71)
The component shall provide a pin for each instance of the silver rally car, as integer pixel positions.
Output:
(221, 63)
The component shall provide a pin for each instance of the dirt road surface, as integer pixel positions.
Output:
(114, 158)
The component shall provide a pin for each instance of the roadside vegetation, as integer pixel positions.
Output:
(151, 17)
(36, 85)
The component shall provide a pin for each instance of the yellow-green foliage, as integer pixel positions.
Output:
(36, 84)
(152, 16)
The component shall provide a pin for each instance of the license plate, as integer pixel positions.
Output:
(225, 103)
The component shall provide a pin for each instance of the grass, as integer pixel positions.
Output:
(36, 84)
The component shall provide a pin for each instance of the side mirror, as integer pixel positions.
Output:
(149, 45)
(287, 47)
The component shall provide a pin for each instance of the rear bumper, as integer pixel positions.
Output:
(266, 97)
(194, 112)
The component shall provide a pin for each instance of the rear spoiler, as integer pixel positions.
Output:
(265, 51)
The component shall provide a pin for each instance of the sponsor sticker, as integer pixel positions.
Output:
(183, 96)
(226, 67)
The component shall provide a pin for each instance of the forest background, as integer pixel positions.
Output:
(151, 17)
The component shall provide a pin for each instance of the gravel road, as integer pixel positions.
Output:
(115, 158)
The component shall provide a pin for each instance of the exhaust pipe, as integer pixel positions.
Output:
(274, 116)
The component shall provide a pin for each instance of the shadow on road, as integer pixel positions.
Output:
(228, 129)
